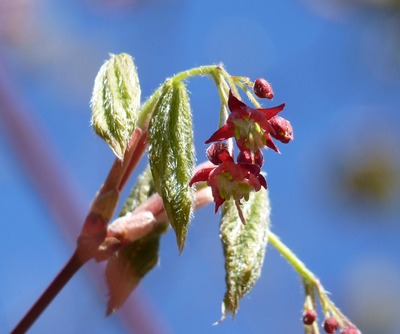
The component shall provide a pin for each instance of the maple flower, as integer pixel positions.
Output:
(229, 179)
(252, 127)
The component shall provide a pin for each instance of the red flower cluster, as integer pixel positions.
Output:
(229, 179)
(252, 129)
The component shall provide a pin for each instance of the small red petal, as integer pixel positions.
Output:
(222, 133)
(218, 203)
(271, 144)
(271, 112)
(262, 180)
(251, 168)
(201, 175)
(235, 105)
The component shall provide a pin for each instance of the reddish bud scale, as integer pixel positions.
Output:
(331, 325)
(309, 317)
(263, 89)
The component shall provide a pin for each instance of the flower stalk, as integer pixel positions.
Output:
(311, 284)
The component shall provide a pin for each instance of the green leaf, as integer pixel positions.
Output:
(244, 247)
(116, 102)
(171, 156)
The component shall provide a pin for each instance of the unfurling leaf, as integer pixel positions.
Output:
(124, 272)
(244, 247)
(127, 268)
(116, 102)
(171, 156)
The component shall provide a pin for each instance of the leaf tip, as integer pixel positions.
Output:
(225, 310)
(181, 245)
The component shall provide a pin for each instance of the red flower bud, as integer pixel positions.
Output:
(248, 157)
(331, 325)
(350, 330)
(282, 129)
(217, 152)
(263, 89)
(309, 317)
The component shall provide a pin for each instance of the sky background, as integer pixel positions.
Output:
(334, 190)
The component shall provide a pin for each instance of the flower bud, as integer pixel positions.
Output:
(248, 157)
(215, 151)
(330, 325)
(309, 317)
(263, 89)
(282, 129)
(350, 330)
